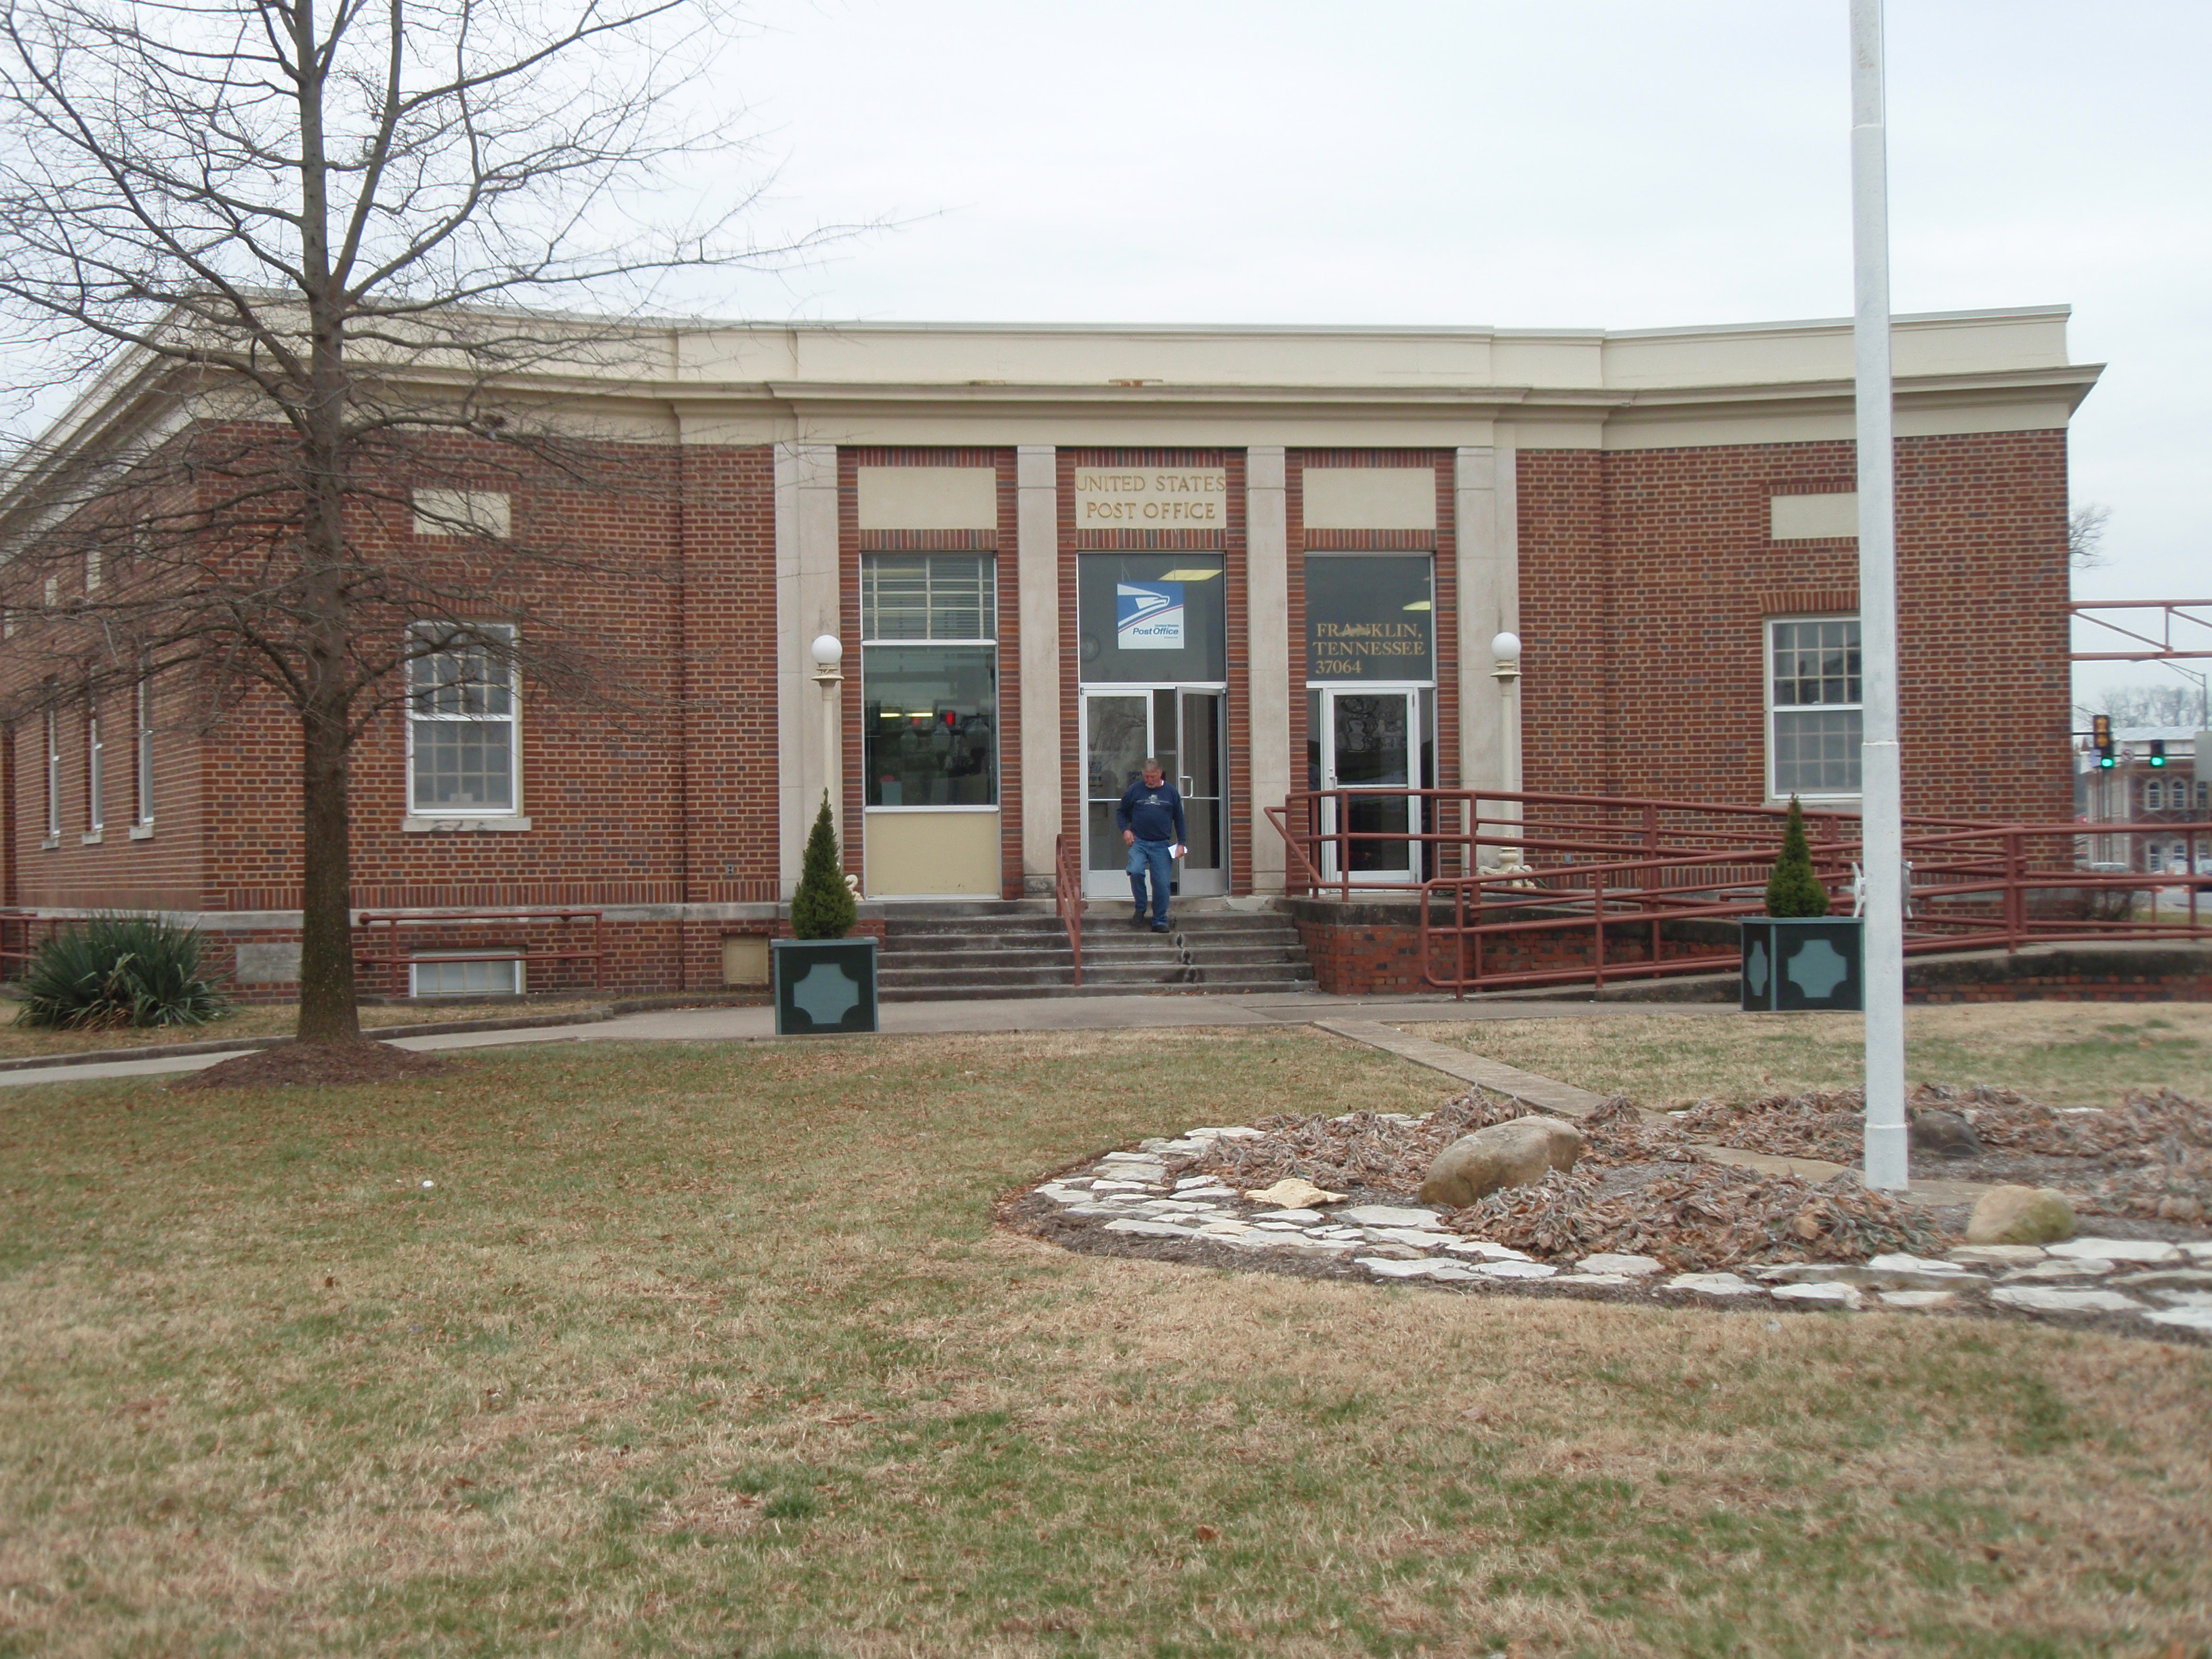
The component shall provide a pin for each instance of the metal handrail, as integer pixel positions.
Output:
(396, 959)
(1971, 888)
(1067, 899)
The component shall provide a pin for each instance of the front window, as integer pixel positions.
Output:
(929, 673)
(461, 719)
(1815, 707)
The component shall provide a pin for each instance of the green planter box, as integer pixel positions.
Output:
(1793, 964)
(824, 985)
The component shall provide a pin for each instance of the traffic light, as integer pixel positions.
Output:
(2101, 727)
(2158, 751)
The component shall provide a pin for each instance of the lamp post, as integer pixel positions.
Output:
(829, 652)
(1505, 669)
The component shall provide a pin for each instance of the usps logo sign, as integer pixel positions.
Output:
(1148, 615)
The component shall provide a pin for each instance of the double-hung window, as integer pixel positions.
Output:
(1814, 707)
(95, 777)
(929, 673)
(143, 770)
(53, 777)
(462, 718)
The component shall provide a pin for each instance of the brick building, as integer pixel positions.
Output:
(1274, 557)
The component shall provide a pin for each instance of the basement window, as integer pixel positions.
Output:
(464, 974)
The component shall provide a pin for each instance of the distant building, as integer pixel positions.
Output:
(2171, 806)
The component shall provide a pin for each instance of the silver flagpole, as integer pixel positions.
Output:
(1882, 807)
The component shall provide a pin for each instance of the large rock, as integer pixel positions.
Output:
(2021, 1215)
(1511, 1154)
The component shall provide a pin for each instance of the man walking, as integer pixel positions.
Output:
(1150, 817)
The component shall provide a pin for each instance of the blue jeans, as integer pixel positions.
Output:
(1152, 856)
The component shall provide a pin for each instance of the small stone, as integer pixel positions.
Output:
(1999, 1255)
(2078, 1268)
(1515, 1153)
(1301, 1218)
(1184, 1183)
(2187, 1319)
(1060, 1195)
(1280, 1227)
(1484, 1247)
(1150, 1228)
(1898, 1261)
(1399, 1253)
(1712, 1285)
(1420, 1267)
(1237, 1132)
(1846, 1295)
(1309, 1246)
(2037, 1298)
(1513, 1269)
(1920, 1298)
(1343, 1235)
(1388, 1215)
(1632, 1267)
(1946, 1134)
(2174, 1299)
(2021, 1215)
(1417, 1237)
(2197, 1249)
(1117, 1185)
(1294, 1193)
(1594, 1278)
(2180, 1279)
(2180, 1207)
(2149, 1251)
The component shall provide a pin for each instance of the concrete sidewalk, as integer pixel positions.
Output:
(922, 1018)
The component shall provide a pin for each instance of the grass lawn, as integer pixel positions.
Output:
(712, 1350)
(2074, 1054)
(19, 1041)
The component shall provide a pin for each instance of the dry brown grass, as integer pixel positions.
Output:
(2067, 1053)
(700, 1350)
(19, 1041)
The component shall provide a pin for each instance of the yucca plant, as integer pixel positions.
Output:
(119, 970)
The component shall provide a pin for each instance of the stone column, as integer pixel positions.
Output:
(1489, 603)
(806, 605)
(1267, 598)
(1037, 574)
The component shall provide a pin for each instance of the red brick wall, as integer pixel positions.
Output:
(1647, 576)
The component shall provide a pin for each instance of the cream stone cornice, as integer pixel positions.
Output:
(1226, 386)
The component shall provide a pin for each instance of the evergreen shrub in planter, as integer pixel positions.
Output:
(823, 980)
(1797, 957)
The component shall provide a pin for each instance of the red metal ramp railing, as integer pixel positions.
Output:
(1524, 890)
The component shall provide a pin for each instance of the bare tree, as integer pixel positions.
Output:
(2085, 536)
(2153, 704)
(335, 244)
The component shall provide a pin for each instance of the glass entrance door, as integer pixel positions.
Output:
(1367, 742)
(1185, 728)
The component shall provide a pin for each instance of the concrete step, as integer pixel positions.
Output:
(1092, 988)
(942, 952)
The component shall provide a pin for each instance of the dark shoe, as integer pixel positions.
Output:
(1161, 927)
(1136, 918)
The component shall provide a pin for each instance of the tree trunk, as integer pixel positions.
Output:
(327, 1011)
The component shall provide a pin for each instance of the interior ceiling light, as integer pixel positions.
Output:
(1206, 575)
(1420, 605)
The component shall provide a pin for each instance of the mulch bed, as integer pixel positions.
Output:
(316, 1065)
(1639, 1189)
(2149, 1156)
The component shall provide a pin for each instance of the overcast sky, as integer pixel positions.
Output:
(1572, 163)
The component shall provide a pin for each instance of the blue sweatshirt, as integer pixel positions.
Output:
(1156, 814)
